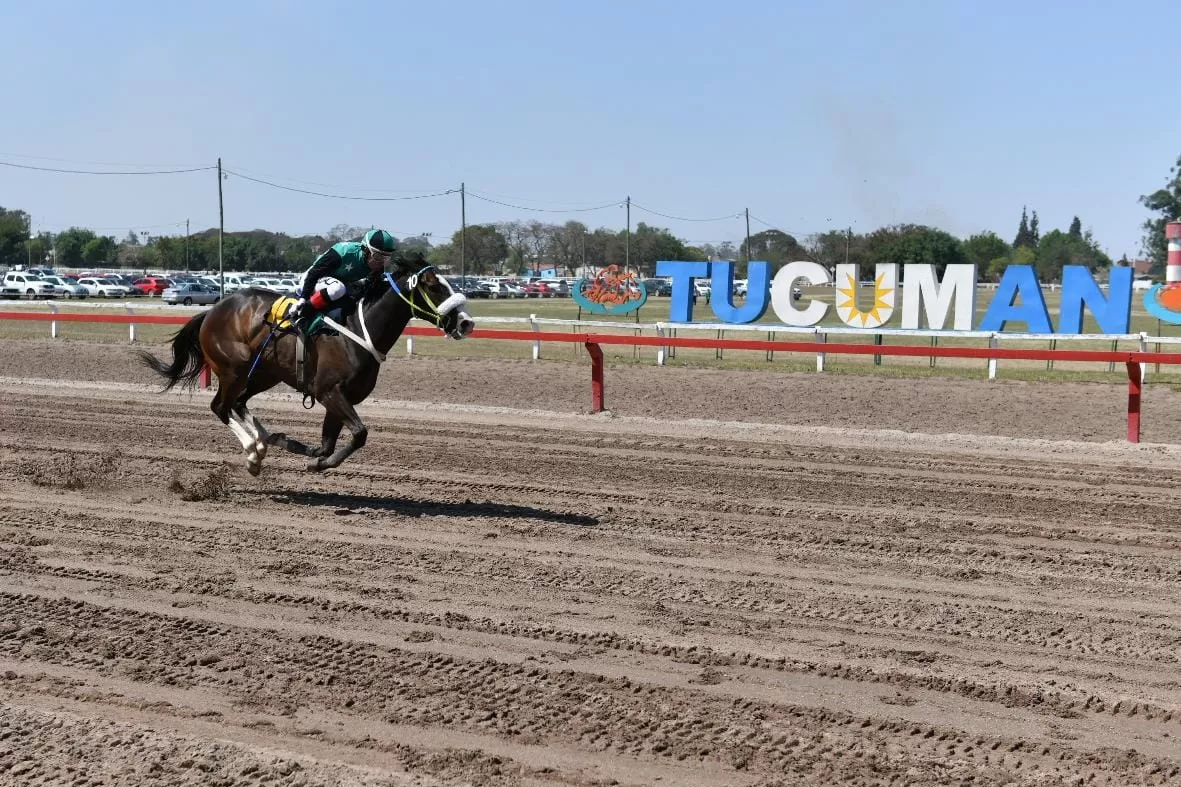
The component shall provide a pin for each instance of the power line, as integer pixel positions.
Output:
(614, 204)
(773, 227)
(103, 172)
(338, 196)
(684, 218)
(243, 172)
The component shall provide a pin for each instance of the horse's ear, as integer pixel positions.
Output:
(412, 258)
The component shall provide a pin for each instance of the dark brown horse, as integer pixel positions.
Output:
(239, 342)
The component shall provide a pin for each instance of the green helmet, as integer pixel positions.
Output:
(380, 243)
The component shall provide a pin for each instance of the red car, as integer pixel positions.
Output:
(152, 285)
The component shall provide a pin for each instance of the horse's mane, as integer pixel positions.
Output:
(375, 285)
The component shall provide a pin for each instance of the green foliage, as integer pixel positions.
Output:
(14, 234)
(1058, 249)
(905, 244)
(1027, 234)
(773, 246)
(72, 245)
(983, 249)
(1166, 203)
(839, 246)
(1076, 228)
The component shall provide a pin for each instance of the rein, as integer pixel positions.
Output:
(433, 315)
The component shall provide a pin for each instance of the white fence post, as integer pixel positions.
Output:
(53, 325)
(821, 338)
(409, 346)
(661, 349)
(992, 345)
(131, 331)
(537, 344)
(1143, 349)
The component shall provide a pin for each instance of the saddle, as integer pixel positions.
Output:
(280, 317)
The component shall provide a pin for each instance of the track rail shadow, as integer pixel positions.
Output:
(416, 508)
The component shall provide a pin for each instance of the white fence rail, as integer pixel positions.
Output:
(820, 334)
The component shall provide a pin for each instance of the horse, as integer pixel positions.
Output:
(247, 342)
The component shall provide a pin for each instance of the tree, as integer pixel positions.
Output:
(131, 239)
(838, 246)
(982, 249)
(1025, 235)
(1166, 203)
(1034, 234)
(485, 249)
(1059, 249)
(905, 244)
(99, 250)
(1076, 228)
(773, 246)
(346, 232)
(14, 235)
(69, 245)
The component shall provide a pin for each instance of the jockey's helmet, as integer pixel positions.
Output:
(381, 247)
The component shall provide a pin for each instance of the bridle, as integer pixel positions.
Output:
(433, 312)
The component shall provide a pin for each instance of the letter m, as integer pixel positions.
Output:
(922, 291)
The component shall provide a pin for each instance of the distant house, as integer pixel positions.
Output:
(1141, 267)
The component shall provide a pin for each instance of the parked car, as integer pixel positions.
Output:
(659, 288)
(66, 288)
(152, 285)
(30, 284)
(189, 293)
(103, 287)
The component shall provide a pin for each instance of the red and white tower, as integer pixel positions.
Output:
(1173, 262)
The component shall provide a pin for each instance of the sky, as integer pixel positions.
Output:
(814, 116)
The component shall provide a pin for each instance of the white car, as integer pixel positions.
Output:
(66, 288)
(104, 288)
(29, 284)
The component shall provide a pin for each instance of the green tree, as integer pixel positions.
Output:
(983, 248)
(1034, 234)
(649, 244)
(913, 243)
(69, 245)
(837, 247)
(773, 246)
(1076, 228)
(14, 235)
(100, 250)
(1166, 204)
(1059, 249)
(1025, 235)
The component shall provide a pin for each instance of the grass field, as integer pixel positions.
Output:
(657, 310)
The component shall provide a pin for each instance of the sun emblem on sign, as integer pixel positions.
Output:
(883, 303)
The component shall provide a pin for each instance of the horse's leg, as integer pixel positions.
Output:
(224, 406)
(338, 406)
(328, 434)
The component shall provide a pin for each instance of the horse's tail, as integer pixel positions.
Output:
(187, 357)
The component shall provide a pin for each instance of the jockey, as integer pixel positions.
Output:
(347, 262)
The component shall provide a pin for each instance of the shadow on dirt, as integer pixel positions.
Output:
(352, 503)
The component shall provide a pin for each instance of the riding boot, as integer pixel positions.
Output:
(305, 317)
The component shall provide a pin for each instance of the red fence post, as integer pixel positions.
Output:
(1134, 389)
(206, 377)
(596, 354)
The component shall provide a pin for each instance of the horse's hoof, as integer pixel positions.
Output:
(316, 465)
(253, 468)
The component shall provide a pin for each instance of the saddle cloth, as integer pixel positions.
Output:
(280, 309)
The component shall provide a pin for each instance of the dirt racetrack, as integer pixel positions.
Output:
(736, 579)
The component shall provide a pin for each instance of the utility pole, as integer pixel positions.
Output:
(748, 241)
(186, 245)
(462, 232)
(627, 242)
(848, 238)
(221, 230)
